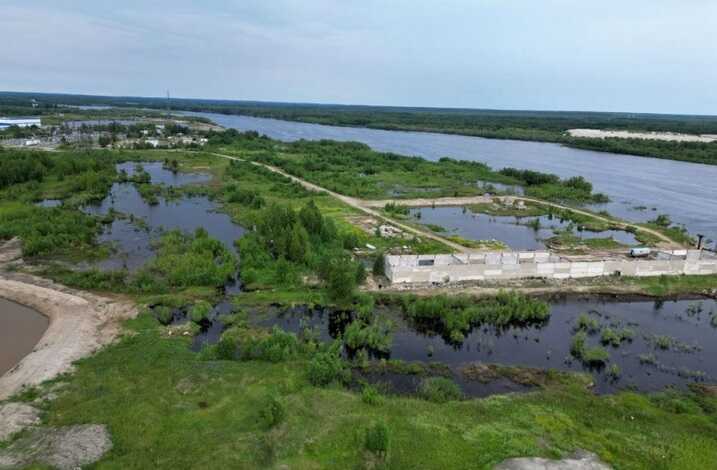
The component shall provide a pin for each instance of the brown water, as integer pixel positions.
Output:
(20, 329)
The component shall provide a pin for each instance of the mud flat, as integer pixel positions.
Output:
(79, 324)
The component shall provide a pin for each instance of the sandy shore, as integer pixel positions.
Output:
(667, 136)
(80, 323)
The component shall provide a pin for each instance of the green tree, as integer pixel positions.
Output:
(311, 218)
(338, 271)
(298, 247)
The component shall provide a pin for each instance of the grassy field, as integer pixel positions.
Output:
(354, 169)
(167, 408)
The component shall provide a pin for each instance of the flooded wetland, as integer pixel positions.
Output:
(665, 343)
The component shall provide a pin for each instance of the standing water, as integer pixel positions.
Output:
(132, 234)
(519, 233)
(20, 329)
(671, 343)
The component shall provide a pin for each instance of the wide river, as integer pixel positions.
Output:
(687, 192)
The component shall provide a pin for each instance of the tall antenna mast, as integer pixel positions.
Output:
(167, 102)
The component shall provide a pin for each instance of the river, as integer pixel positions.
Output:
(685, 191)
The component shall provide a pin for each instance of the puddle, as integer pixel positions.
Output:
(519, 233)
(20, 329)
(643, 364)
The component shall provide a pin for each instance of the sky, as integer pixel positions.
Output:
(600, 55)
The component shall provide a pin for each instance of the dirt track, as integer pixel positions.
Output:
(80, 323)
(356, 203)
(369, 206)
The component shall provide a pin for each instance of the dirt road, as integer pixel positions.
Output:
(356, 203)
(369, 206)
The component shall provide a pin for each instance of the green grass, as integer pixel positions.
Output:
(675, 285)
(165, 408)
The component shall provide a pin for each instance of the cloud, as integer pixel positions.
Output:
(557, 54)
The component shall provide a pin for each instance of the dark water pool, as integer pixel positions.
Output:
(517, 232)
(644, 363)
(141, 223)
(20, 329)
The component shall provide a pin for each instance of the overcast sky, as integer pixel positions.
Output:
(605, 55)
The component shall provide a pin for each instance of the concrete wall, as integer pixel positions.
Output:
(430, 269)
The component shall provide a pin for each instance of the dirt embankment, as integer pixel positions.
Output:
(80, 323)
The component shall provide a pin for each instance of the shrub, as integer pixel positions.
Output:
(458, 314)
(272, 412)
(338, 271)
(360, 273)
(277, 346)
(595, 356)
(163, 314)
(616, 337)
(439, 390)
(200, 311)
(394, 208)
(327, 367)
(370, 395)
(186, 260)
(379, 265)
(588, 324)
(614, 372)
(375, 336)
(609, 336)
(226, 348)
(377, 438)
(662, 342)
(577, 345)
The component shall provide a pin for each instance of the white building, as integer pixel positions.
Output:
(19, 122)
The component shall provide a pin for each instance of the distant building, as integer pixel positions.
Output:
(19, 122)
